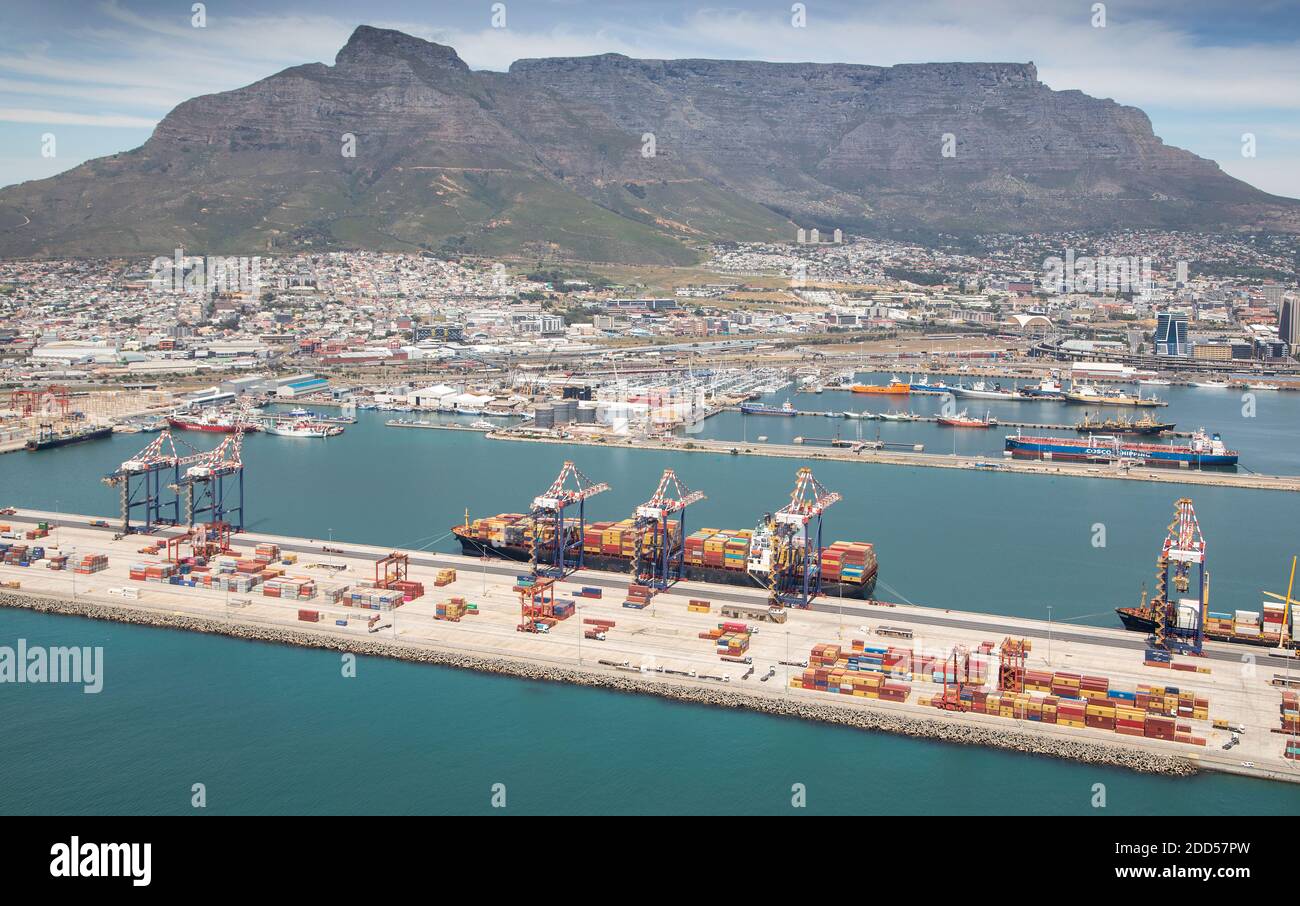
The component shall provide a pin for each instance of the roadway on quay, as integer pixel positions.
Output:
(991, 623)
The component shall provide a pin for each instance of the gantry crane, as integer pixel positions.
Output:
(140, 483)
(1011, 664)
(786, 552)
(557, 542)
(202, 486)
(1184, 548)
(660, 541)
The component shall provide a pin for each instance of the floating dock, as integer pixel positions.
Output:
(669, 644)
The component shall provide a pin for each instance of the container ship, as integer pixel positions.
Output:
(728, 557)
(1266, 627)
(1202, 450)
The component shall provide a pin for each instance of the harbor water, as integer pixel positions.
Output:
(274, 729)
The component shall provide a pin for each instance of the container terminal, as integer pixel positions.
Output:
(1177, 693)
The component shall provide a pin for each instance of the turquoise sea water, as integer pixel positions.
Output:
(271, 729)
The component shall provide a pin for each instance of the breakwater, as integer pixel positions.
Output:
(858, 716)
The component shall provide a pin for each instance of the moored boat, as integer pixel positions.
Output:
(786, 408)
(962, 420)
(303, 428)
(1201, 450)
(895, 387)
(213, 421)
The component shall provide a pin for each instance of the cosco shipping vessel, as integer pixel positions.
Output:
(729, 557)
(1202, 450)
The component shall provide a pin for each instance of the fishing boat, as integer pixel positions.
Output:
(213, 421)
(962, 420)
(1155, 382)
(1211, 385)
(894, 387)
(1046, 389)
(898, 417)
(47, 438)
(924, 385)
(981, 390)
(786, 408)
(303, 428)
(1147, 424)
(1107, 396)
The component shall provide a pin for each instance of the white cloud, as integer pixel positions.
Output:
(63, 118)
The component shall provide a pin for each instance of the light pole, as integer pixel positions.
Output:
(1049, 635)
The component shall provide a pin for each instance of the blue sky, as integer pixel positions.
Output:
(99, 74)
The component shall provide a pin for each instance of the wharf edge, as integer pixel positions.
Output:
(859, 717)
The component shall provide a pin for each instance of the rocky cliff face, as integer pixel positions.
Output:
(550, 158)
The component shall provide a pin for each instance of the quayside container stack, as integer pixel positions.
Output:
(724, 556)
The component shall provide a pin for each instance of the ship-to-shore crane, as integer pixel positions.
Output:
(786, 553)
(557, 543)
(203, 485)
(1181, 629)
(660, 541)
(141, 481)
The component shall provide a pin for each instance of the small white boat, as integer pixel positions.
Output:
(1263, 387)
(483, 425)
(1155, 382)
(1211, 385)
(848, 414)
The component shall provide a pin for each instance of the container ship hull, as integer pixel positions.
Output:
(691, 572)
(1137, 619)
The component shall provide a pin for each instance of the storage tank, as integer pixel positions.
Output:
(586, 413)
(544, 415)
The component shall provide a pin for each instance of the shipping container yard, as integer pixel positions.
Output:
(1002, 674)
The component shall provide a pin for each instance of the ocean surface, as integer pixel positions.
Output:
(270, 729)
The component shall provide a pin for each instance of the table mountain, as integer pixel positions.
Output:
(552, 158)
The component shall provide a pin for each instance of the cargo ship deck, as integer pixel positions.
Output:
(666, 635)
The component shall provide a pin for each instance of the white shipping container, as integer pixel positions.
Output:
(1246, 616)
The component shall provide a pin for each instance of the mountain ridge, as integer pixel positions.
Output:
(551, 159)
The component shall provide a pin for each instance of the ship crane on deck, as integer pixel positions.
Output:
(1180, 624)
(787, 553)
(140, 484)
(560, 551)
(660, 543)
(204, 484)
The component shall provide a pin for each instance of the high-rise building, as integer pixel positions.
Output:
(1171, 334)
(1288, 324)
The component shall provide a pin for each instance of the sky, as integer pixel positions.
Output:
(98, 75)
